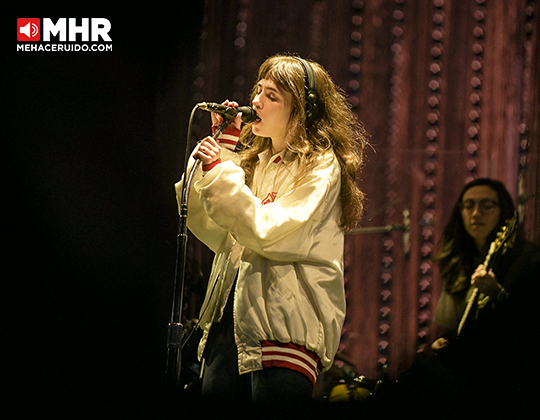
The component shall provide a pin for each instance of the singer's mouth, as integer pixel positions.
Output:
(257, 120)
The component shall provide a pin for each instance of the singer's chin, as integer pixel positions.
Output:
(255, 127)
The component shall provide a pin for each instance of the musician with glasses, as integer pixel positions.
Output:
(487, 350)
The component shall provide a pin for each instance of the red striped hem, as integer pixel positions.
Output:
(291, 356)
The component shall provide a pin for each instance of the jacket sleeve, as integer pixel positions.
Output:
(282, 230)
(198, 222)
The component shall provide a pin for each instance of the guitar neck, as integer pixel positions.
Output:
(489, 257)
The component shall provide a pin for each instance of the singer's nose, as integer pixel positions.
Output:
(256, 103)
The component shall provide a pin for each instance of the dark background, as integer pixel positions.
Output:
(91, 213)
(94, 142)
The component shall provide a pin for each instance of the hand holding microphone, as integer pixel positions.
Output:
(208, 151)
(229, 109)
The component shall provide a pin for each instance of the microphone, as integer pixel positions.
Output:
(248, 114)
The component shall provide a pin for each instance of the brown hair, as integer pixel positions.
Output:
(336, 129)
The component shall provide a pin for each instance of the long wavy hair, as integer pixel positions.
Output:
(337, 130)
(458, 256)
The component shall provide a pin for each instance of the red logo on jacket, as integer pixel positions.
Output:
(270, 198)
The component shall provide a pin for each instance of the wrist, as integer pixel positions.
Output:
(210, 166)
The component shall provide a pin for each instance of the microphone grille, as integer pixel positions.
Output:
(248, 114)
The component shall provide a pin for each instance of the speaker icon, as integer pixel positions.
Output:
(28, 29)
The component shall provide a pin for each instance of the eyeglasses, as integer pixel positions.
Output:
(485, 205)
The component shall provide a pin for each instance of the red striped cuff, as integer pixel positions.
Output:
(228, 138)
(208, 167)
(291, 356)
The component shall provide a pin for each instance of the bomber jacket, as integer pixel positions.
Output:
(283, 245)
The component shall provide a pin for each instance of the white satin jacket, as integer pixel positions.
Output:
(285, 243)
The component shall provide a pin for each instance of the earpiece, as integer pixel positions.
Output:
(312, 106)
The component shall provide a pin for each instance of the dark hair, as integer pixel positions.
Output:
(458, 251)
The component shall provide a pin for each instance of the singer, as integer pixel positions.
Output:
(275, 214)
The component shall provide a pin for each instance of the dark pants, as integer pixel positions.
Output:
(221, 379)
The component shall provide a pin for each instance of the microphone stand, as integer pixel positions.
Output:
(387, 229)
(376, 229)
(175, 331)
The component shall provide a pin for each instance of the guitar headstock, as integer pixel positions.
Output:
(504, 240)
